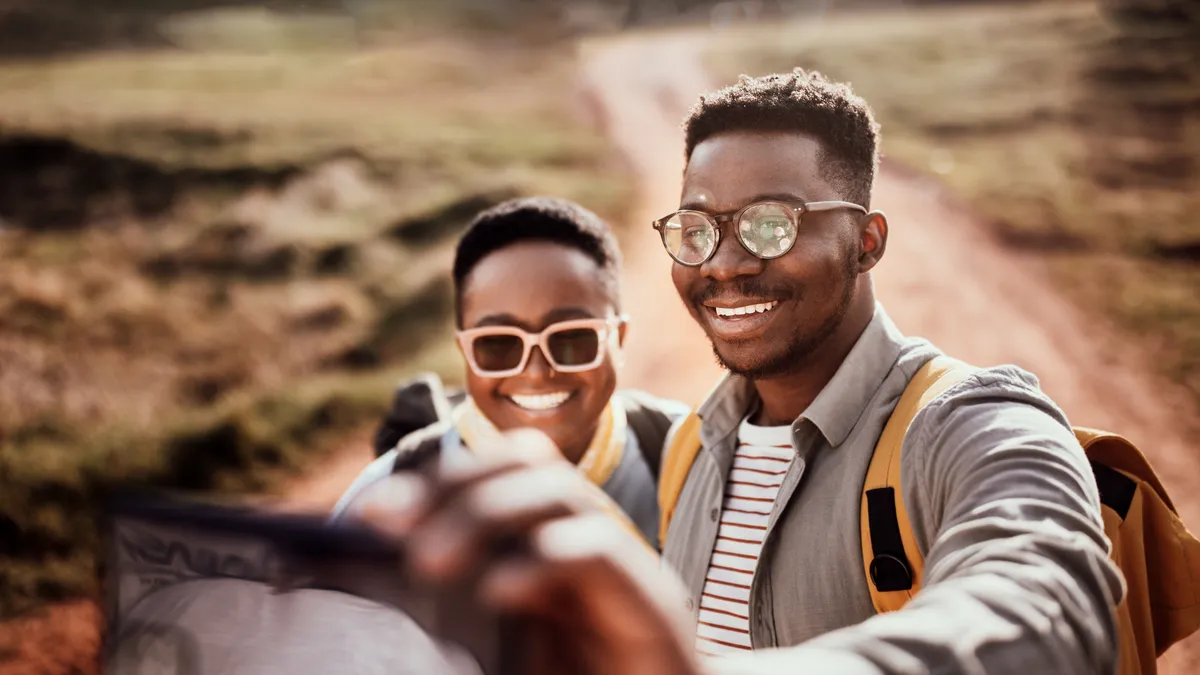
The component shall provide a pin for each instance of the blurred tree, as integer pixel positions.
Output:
(1154, 16)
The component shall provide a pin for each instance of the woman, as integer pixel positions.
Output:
(540, 328)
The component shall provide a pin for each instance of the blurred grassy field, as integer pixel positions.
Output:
(218, 259)
(1074, 141)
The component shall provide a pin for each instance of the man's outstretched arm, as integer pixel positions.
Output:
(1017, 578)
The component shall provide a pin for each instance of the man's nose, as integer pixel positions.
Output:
(731, 260)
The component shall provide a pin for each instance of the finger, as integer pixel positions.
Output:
(560, 548)
(626, 574)
(513, 586)
(400, 501)
(519, 498)
(393, 505)
(514, 451)
(507, 506)
(621, 600)
(517, 448)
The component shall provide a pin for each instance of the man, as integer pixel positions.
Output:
(772, 250)
(538, 305)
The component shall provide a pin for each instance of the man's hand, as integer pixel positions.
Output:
(605, 603)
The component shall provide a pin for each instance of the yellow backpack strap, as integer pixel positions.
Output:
(681, 452)
(891, 560)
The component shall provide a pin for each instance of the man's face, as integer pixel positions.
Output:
(531, 285)
(808, 290)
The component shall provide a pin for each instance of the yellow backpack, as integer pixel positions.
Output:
(1159, 557)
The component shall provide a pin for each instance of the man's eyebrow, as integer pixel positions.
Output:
(766, 196)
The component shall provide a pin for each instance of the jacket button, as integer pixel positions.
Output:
(715, 514)
(690, 604)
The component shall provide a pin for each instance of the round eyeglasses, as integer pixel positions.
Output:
(766, 229)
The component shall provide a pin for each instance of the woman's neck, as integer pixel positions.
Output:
(574, 452)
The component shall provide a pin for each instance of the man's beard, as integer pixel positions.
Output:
(800, 348)
(796, 356)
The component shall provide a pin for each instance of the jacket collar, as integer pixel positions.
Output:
(836, 409)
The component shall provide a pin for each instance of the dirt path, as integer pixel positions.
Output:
(943, 278)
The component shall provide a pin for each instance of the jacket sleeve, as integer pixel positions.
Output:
(1017, 579)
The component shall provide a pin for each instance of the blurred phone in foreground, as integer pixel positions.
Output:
(198, 588)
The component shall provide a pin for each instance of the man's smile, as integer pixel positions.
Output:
(758, 308)
(739, 319)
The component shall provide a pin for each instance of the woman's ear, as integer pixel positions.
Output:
(616, 343)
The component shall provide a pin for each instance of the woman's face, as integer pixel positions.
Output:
(531, 286)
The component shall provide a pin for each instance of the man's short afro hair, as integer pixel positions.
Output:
(802, 102)
(539, 219)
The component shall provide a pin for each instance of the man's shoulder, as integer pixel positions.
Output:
(990, 405)
(1005, 384)
(1004, 381)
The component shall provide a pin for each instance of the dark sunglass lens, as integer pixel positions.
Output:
(498, 352)
(574, 347)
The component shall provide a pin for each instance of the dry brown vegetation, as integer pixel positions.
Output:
(218, 260)
(1078, 141)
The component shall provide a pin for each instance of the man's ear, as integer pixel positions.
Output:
(873, 235)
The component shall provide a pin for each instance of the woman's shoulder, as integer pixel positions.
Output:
(637, 398)
(410, 452)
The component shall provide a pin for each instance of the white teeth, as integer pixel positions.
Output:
(541, 401)
(748, 309)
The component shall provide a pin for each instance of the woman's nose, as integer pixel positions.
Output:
(539, 367)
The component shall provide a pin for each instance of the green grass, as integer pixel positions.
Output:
(1072, 139)
(218, 260)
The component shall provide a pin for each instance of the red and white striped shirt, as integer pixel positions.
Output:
(762, 458)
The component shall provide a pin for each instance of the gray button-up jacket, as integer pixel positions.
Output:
(1003, 504)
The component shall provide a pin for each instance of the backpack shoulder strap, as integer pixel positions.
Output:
(891, 559)
(416, 403)
(682, 446)
(650, 425)
(416, 450)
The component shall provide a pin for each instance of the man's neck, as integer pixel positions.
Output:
(784, 398)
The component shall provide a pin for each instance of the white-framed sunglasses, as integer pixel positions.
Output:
(571, 346)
